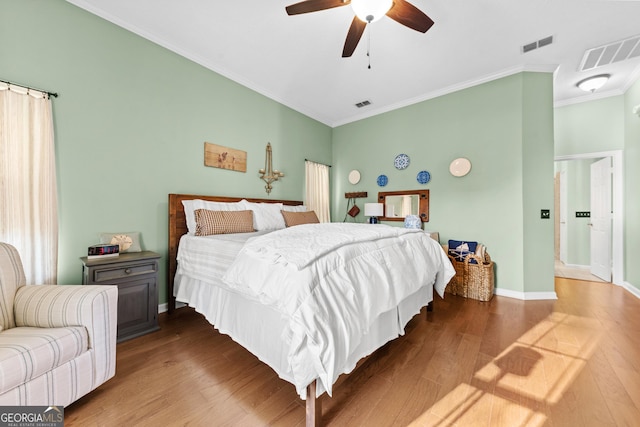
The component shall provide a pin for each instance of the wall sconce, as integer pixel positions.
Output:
(636, 110)
(268, 174)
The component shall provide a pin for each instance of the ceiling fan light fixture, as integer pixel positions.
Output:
(591, 84)
(371, 10)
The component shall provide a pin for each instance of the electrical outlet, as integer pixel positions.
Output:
(583, 214)
(545, 213)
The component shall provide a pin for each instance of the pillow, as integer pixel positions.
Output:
(297, 208)
(459, 249)
(223, 222)
(190, 207)
(129, 241)
(266, 216)
(299, 218)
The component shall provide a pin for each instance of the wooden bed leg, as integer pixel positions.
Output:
(430, 307)
(314, 407)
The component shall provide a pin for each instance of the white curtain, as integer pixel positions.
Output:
(317, 189)
(28, 198)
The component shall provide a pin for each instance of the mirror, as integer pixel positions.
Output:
(398, 204)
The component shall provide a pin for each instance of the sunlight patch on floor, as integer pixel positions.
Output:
(520, 386)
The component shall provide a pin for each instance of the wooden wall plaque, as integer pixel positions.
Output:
(218, 156)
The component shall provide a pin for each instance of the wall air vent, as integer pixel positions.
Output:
(613, 52)
(363, 103)
(537, 44)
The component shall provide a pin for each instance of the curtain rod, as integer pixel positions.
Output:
(54, 94)
(307, 160)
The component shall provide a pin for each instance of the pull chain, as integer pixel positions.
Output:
(369, 47)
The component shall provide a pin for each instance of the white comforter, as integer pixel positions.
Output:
(332, 281)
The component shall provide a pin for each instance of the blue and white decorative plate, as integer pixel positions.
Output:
(382, 180)
(401, 161)
(423, 177)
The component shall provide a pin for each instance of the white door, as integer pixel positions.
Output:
(600, 223)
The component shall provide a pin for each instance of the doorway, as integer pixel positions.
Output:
(578, 215)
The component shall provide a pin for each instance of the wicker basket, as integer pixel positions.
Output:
(474, 281)
(456, 285)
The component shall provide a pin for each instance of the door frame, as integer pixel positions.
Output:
(617, 203)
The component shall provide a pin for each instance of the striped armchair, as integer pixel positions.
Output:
(57, 342)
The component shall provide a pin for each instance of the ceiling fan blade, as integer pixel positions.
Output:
(353, 36)
(410, 16)
(314, 6)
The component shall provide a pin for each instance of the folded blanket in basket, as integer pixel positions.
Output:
(459, 249)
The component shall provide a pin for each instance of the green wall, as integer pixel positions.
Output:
(590, 127)
(505, 128)
(131, 122)
(632, 186)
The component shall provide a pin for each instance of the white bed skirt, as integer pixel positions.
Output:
(259, 328)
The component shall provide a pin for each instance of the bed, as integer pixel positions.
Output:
(310, 311)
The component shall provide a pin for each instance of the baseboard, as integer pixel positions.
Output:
(632, 289)
(526, 296)
(578, 266)
(165, 306)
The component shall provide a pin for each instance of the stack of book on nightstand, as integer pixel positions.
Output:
(103, 251)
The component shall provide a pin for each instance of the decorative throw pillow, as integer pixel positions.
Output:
(128, 241)
(223, 222)
(190, 207)
(298, 218)
(459, 249)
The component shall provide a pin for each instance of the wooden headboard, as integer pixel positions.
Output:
(178, 227)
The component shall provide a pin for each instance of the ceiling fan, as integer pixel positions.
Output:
(399, 10)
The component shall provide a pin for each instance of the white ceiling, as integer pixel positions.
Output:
(296, 60)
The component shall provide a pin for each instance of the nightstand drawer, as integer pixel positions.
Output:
(123, 271)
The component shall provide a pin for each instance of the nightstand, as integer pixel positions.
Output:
(136, 275)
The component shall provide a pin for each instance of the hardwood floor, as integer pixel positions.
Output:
(570, 362)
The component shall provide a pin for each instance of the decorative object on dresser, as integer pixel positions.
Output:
(268, 174)
(373, 211)
(412, 221)
(128, 241)
(217, 156)
(136, 276)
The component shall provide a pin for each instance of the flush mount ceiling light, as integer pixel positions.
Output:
(594, 83)
(370, 10)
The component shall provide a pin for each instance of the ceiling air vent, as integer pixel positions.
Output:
(613, 52)
(537, 44)
(363, 103)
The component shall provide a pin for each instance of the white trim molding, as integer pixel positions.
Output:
(632, 289)
(525, 296)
